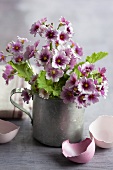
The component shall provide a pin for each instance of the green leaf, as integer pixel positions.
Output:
(42, 82)
(99, 80)
(23, 70)
(78, 73)
(96, 56)
(48, 85)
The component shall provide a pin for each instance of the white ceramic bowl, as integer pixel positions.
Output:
(8, 131)
(81, 152)
(102, 131)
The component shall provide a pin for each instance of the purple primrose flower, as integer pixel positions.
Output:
(60, 60)
(35, 27)
(63, 37)
(67, 95)
(72, 81)
(93, 98)
(54, 74)
(63, 21)
(30, 52)
(22, 40)
(79, 50)
(73, 62)
(51, 34)
(81, 101)
(8, 73)
(86, 85)
(16, 47)
(2, 57)
(43, 94)
(86, 68)
(102, 73)
(104, 89)
(26, 95)
(18, 58)
(44, 56)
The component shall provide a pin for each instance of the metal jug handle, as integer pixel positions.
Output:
(19, 90)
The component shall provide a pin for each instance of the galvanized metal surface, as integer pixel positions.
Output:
(54, 121)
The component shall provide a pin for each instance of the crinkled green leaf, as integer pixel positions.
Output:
(48, 85)
(96, 56)
(78, 73)
(23, 70)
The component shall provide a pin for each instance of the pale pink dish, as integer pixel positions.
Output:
(81, 152)
(8, 131)
(102, 131)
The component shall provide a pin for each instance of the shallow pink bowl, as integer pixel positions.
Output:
(102, 131)
(8, 131)
(81, 152)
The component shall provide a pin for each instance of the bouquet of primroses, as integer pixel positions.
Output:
(59, 72)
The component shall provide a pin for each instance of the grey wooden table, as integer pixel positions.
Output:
(25, 153)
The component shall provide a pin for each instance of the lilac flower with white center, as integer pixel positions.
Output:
(104, 89)
(30, 52)
(102, 73)
(26, 95)
(67, 95)
(93, 98)
(60, 60)
(73, 62)
(79, 50)
(68, 52)
(86, 85)
(16, 47)
(76, 90)
(53, 73)
(51, 34)
(18, 58)
(8, 73)
(44, 56)
(63, 37)
(39, 27)
(63, 21)
(72, 81)
(102, 70)
(35, 28)
(2, 57)
(9, 47)
(42, 30)
(86, 68)
(22, 40)
(43, 94)
(43, 20)
(69, 30)
(81, 101)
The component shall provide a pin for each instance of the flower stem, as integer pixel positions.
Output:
(51, 47)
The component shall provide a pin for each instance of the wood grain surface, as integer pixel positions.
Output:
(93, 25)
